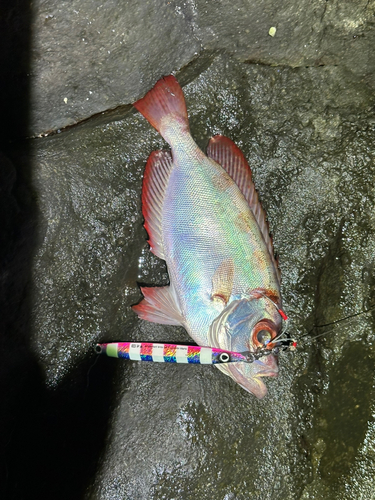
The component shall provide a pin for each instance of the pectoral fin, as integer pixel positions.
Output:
(159, 305)
(222, 281)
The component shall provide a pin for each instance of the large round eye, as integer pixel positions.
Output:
(263, 333)
(263, 337)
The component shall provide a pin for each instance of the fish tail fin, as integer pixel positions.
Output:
(164, 105)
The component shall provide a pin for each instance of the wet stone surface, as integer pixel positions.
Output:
(184, 432)
(88, 57)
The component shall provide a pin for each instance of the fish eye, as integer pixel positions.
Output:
(263, 333)
(263, 337)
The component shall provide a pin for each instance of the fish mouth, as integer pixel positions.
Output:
(231, 329)
(249, 375)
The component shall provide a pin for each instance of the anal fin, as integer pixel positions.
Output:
(159, 306)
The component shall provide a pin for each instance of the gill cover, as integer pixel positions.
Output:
(236, 329)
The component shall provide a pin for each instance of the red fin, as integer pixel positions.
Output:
(229, 156)
(165, 98)
(159, 306)
(155, 181)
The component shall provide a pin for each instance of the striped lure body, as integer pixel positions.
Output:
(169, 353)
(203, 217)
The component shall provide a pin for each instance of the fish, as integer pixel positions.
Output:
(203, 217)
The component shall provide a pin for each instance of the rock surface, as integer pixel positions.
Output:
(74, 249)
(88, 57)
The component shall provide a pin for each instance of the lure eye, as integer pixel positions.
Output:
(263, 333)
(224, 357)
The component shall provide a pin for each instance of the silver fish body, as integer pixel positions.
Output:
(204, 219)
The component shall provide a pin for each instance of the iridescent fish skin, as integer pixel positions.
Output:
(204, 219)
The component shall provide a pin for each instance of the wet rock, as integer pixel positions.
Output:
(184, 432)
(87, 57)
(312, 180)
(81, 426)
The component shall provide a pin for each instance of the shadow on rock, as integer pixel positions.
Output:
(55, 437)
(51, 439)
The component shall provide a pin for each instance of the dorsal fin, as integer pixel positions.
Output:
(230, 157)
(155, 181)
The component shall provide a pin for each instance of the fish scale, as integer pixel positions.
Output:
(193, 279)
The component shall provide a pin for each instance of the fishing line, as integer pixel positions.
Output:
(348, 319)
(88, 373)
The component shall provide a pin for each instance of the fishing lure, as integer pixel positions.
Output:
(174, 353)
